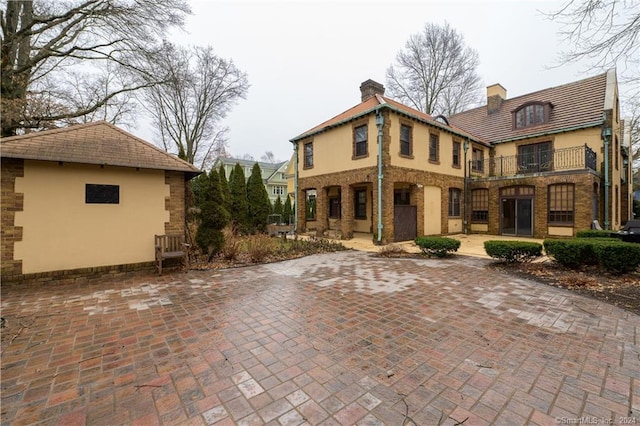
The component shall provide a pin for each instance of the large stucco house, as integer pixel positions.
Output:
(548, 163)
(274, 175)
(86, 199)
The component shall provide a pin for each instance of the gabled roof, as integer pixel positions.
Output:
(93, 143)
(574, 105)
(379, 102)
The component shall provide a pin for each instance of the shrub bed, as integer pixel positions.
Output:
(610, 254)
(513, 251)
(437, 246)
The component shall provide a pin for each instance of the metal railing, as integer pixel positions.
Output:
(574, 158)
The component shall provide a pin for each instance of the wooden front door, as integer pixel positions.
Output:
(404, 222)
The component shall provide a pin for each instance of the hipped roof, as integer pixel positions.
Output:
(379, 102)
(99, 143)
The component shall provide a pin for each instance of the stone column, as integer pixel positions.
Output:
(347, 211)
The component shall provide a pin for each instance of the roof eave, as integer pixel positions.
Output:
(394, 109)
(189, 172)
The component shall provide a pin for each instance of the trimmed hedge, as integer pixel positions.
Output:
(437, 246)
(610, 254)
(513, 251)
(593, 233)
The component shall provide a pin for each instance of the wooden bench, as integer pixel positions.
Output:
(171, 247)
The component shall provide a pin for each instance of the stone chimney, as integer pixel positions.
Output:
(370, 88)
(495, 95)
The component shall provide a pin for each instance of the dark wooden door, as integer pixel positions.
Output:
(404, 223)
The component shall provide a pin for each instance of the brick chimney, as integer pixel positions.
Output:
(370, 88)
(495, 95)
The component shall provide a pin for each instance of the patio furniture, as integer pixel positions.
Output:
(170, 246)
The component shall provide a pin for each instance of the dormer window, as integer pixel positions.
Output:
(531, 114)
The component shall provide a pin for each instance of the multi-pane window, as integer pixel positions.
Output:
(360, 141)
(477, 157)
(480, 205)
(308, 154)
(561, 203)
(361, 204)
(434, 147)
(531, 115)
(405, 140)
(535, 158)
(456, 154)
(454, 202)
(278, 190)
(334, 208)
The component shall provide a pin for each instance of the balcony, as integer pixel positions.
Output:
(574, 158)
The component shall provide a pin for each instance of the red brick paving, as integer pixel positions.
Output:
(340, 338)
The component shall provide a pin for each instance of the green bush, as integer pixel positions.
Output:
(437, 246)
(513, 251)
(572, 253)
(618, 257)
(610, 254)
(593, 233)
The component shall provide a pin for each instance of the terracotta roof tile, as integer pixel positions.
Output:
(577, 104)
(94, 143)
(369, 105)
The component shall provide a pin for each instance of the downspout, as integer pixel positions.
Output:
(295, 188)
(379, 124)
(606, 134)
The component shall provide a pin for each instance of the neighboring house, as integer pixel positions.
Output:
(87, 198)
(274, 175)
(529, 166)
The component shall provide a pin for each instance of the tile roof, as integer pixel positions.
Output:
(575, 105)
(369, 106)
(93, 143)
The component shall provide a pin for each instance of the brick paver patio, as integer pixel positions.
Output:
(341, 338)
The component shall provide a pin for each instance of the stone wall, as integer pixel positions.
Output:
(348, 180)
(175, 202)
(10, 203)
(583, 180)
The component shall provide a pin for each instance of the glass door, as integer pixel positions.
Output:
(524, 217)
(509, 216)
(517, 216)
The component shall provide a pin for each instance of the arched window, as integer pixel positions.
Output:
(531, 114)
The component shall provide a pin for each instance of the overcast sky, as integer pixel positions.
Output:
(305, 60)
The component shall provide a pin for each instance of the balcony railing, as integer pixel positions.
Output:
(574, 158)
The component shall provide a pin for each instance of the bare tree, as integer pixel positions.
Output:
(607, 33)
(435, 72)
(48, 44)
(269, 157)
(200, 88)
(604, 31)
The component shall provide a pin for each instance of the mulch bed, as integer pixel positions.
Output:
(620, 290)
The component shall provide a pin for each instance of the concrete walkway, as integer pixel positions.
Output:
(340, 338)
(470, 245)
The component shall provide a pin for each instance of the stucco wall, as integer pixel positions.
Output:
(61, 231)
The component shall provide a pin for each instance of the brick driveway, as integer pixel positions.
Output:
(341, 338)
